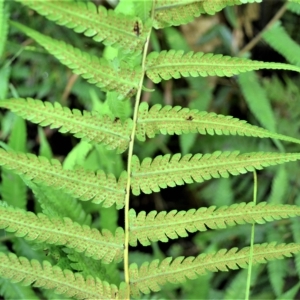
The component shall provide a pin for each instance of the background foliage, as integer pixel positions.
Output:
(270, 100)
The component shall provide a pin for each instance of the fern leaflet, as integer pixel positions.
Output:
(154, 226)
(153, 174)
(103, 25)
(177, 120)
(176, 12)
(279, 39)
(82, 184)
(41, 228)
(175, 64)
(65, 282)
(95, 70)
(294, 7)
(151, 276)
(51, 201)
(89, 126)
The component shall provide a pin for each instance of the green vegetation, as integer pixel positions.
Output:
(128, 169)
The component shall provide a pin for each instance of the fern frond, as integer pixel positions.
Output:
(177, 120)
(153, 174)
(10, 290)
(95, 70)
(152, 276)
(294, 6)
(40, 228)
(213, 6)
(154, 226)
(177, 12)
(55, 203)
(168, 13)
(280, 40)
(175, 64)
(13, 189)
(257, 100)
(65, 282)
(91, 126)
(101, 24)
(82, 184)
(86, 265)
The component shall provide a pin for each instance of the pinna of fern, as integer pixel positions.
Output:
(114, 134)
(82, 184)
(148, 176)
(90, 126)
(65, 282)
(40, 228)
(164, 171)
(164, 65)
(152, 276)
(106, 26)
(162, 226)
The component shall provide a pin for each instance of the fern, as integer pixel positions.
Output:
(73, 248)
(43, 229)
(163, 171)
(178, 12)
(49, 277)
(95, 70)
(79, 183)
(162, 226)
(90, 126)
(151, 276)
(97, 22)
(278, 38)
(175, 64)
(178, 120)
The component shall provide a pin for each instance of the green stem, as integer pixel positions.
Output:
(130, 153)
(248, 286)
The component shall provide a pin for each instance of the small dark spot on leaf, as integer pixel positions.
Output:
(136, 28)
(116, 120)
(189, 118)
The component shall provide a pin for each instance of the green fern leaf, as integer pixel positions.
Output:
(257, 100)
(13, 189)
(177, 120)
(177, 12)
(213, 6)
(65, 282)
(55, 203)
(294, 6)
(86, 265)
(96, 70)
(152, 276)
(10, 291)
(154, 226)
(280, 40)
(175, 64)
(103, 25)
(82, 184)
(89, 126)
(153, 174)
(41, 228)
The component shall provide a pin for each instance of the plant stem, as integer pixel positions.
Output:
(248, 285)
(254, 41)
(130, 153)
